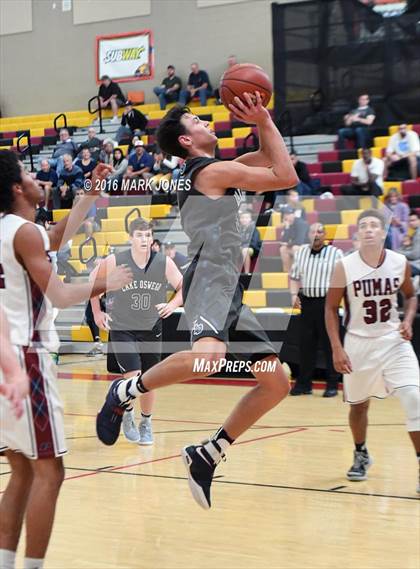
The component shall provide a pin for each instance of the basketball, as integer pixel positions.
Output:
(245, 78)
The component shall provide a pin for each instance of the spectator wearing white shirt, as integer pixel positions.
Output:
(366, 176)
(403, 151)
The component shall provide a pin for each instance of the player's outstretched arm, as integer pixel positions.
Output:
(35, 261)
(410, 305)
(102, 319)
(335, 295)
(67, 227)
(16, 383)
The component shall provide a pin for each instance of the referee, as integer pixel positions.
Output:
(309, 281)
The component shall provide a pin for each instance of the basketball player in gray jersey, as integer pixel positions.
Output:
(135, 319)
(209, 201)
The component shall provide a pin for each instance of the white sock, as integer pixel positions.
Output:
(7, 559)
(32, 563)
(128, 389)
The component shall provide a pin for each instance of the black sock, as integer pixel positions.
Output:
(140, 386)
(360, 447)
(145, 416)
(418, 455)
(222, 434)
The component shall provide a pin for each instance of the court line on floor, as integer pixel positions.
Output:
(258, 485)
(141, 463)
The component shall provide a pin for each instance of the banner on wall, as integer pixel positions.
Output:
(125, 57)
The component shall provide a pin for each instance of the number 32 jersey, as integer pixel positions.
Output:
(371, 294)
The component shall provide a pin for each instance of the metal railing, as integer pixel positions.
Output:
(127, 217)
(28, 147)
(98, 110)
(56, 128)
(89, 241)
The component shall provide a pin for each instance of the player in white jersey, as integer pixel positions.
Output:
(16, 383)
(34, 443)
(377, 359)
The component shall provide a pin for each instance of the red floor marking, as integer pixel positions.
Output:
(124, 467)
(338, 430)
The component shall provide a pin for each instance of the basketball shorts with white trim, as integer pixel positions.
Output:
(380, 365)
(39, 433)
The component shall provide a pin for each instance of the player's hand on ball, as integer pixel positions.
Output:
(119, 277)
(102, 320)
(342, 363)
(164, 309)
(251, 111)
(16, 391)
(406, 330)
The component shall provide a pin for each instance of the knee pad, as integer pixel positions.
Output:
(410, 400)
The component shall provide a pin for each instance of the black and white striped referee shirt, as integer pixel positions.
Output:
(314, 269)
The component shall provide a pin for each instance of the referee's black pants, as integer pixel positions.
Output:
(313, 334)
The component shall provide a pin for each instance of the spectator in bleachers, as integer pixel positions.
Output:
(86, 163)
(64, 146)
(288, 199)
(156, 246)
(399, 220)
(169, 89)
(357, 123)
(180, 260)
(120, 164)
(140, 163)
(47, 179)
(294, 234)
(106, 155)
(70, 179)
(410, 246)
(162, 171)
(92, 142)
(355, 243)
(111, 95)
(304, 187)
(133, 122)
(403, 153)
(198, 86)
(90, 224)
(250, 240)
(366, 176)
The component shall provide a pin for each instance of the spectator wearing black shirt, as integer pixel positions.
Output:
(93, 143)
(110, 94)
(295, 234)
(71, 179)
(250, 240)
(305, 183)
(180, 260)
(198, 86)
(133, 122)
(357, 123)
(86, 163)
(47, 179)
(169, 89)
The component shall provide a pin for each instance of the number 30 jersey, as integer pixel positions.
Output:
(133, 307)
(371, 294)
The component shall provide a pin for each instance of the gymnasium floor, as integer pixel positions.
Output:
(281, 500)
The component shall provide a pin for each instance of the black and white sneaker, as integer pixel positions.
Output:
(361, 464)
(200, 469)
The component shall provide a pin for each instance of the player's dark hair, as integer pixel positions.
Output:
(372, 213)
(170, 129)
(10, 174)
(139, 224)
